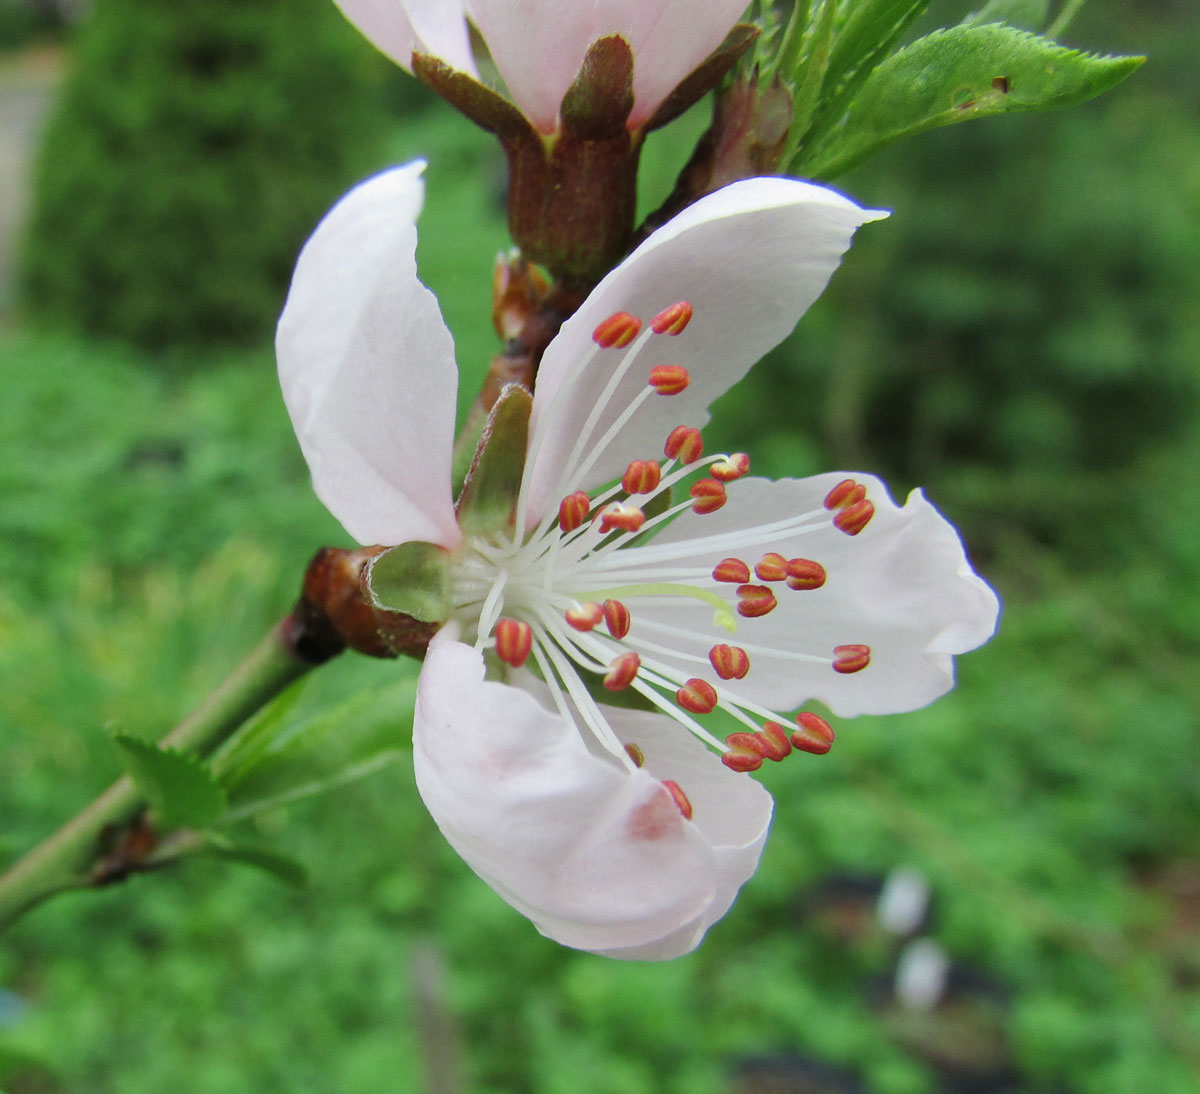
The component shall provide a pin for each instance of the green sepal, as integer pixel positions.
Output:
(598, 102)
(413, 579)
(181, 789)
(1025, 14)
(489, 495)
(954, 75)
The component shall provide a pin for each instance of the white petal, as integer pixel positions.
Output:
(750, 258)
(367, 368)
(599, 857)
(902, 586)
(398, 27)
(538, 45)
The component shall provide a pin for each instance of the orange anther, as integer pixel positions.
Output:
(847, 492)
(616, 618)
(854, 518)
(755, 600)
(684, 444)
(771, 567)
(585, 617)
(731, 467)
(775, 737)
(622, 671)
(635, 754)
(669, 379)
(626, 518)
(514, 641)
(847, 659)
(641, 476)
(708, 495)
(573, 510)
(815, 735)
(617, 331)
(803, 573)
(748, 742)
(731, 570)
(681, 799)
(738, 760)
(672, 320)
(697, 696)
(729, 662)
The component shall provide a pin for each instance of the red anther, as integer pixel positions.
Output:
(847, 492)
(854, 518)
(738, 760)
(771, 567)
(731, 570)
(616, 618)
(755, 600)
(748, 742)
(729, 662)
(622, 671)
(514, 641)
(585, 617)
(684, 444)
(641, 476)
(731, 467)
(815, 735)
(709, 496)
(803, 573)
(617, 331)
(681, 799)
(775, 737)
(669, 379)
(847, 659)
(697, 696)
(627, 518)
(635, 754)
(573, 510)
(672, 320)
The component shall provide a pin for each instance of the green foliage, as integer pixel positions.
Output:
(193, 149)
(180, 789)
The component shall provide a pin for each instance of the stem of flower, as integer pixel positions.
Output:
(66, 859)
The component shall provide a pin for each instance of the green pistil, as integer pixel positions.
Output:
(723, 616)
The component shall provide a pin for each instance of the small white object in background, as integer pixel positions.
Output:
(903, 902)
(921, 974)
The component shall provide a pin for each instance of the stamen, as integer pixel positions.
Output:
(731, 570)
(573, 510)
(731, 467)
(729, 662)
(641, 477)
(771, 567)
(617, 331)
(585, 617)
(742, 760)
(684, 444)
(514, 640)
(854, 518)
(697, 696)
(622, 671)
(681, 799)
(847, 659)
(847, 492)
(775, 738)
(803, 573)
(669, 379)
(616, 618)
(672, 320)
(709, 496)
(755, 601)
(626, 518)
(636, 755)
(815, 735)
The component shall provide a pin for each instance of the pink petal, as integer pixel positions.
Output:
(367, 368)
(902, 586)
(538, 45)
(398, 27)
(751, 258)
(600, 858)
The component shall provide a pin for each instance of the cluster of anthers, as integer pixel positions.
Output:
(561, 593)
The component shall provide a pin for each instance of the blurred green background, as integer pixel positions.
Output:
(1020, 338)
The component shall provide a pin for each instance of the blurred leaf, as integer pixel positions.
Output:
(1026, 14)
(956, 75)
(254, 739)
(182, 791)
(283, 867)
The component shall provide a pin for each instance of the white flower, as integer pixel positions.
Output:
(539, 45)
(621, 831)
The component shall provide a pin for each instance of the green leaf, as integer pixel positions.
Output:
(252, 741)
(181, 790)
(283, 867)
(412, 578)
(490, 493)
(955, 75)
(1026, 14)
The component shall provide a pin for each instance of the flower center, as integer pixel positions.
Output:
(589, 591)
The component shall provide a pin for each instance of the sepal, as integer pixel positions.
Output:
(412, 579)
(489, 494)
